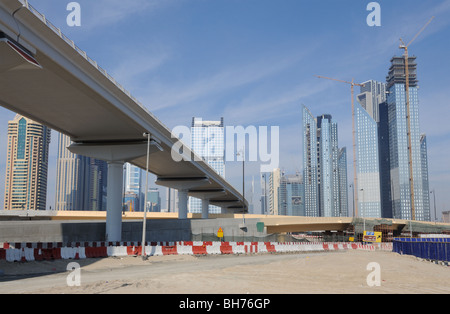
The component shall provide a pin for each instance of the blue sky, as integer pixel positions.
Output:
(253, 62)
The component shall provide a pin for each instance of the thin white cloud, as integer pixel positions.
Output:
(161, 96)
(129, 72)
(262, 106)
(225, 80)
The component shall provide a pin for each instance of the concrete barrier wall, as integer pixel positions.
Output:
(25, 252)
(157, 230)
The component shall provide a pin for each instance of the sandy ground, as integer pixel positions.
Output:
(325, 273)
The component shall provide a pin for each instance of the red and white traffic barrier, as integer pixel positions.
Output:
(21, 252)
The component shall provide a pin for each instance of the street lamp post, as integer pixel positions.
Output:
(265, 193)
(243, 183)
(434, 197)
(353, 199)
(364, 215)
(144, 222)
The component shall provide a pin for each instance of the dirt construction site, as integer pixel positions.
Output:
(339, 272)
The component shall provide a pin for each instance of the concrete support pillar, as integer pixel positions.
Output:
(205, 208)
(182, 204)
(114, 201)
(116, 154)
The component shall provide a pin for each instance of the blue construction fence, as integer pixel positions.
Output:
(437, 249)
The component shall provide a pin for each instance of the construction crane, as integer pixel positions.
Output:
(352, 84)
(408, 118)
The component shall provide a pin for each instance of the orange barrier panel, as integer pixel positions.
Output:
(56, 253)
(169, 250)
(102, 251)
(89, 252)
(47, 254)
(226, 249)
(134, 250)
(270, 247)
(199, 250)
(95, 252)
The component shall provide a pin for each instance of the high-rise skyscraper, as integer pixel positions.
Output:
(80, 181)
(208, 142)
(310, 166)
(367, 116)
(154, 200)
(367, 165)
(135, 186)
(26, 165)
(171, 200)
(291, 195)
(399, 143)
(98, 184)
(385, 161)
(425, 184)
(343, 185)
(72, 178)
(372, 94)
(327, 166)
(274, 192)
(264, 194)
(321, 166)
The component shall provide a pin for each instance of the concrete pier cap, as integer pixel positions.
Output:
(206, 195)
(183, 185)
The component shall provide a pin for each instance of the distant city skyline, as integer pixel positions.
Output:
(254, 64)
(80, 180)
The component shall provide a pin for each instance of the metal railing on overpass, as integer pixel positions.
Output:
(83, 53)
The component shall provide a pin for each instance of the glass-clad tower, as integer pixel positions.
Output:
(372, 94)
(398, 138)
(384, 158)
(367, 166)
(72, 178)
(27, 165)
(322, 173)
(368, 114)
(208, 142)
(310, 166)
(134, 188)
(80, 181)
(343, 185)
(425, 184)
(291, 195)
(327, 170)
